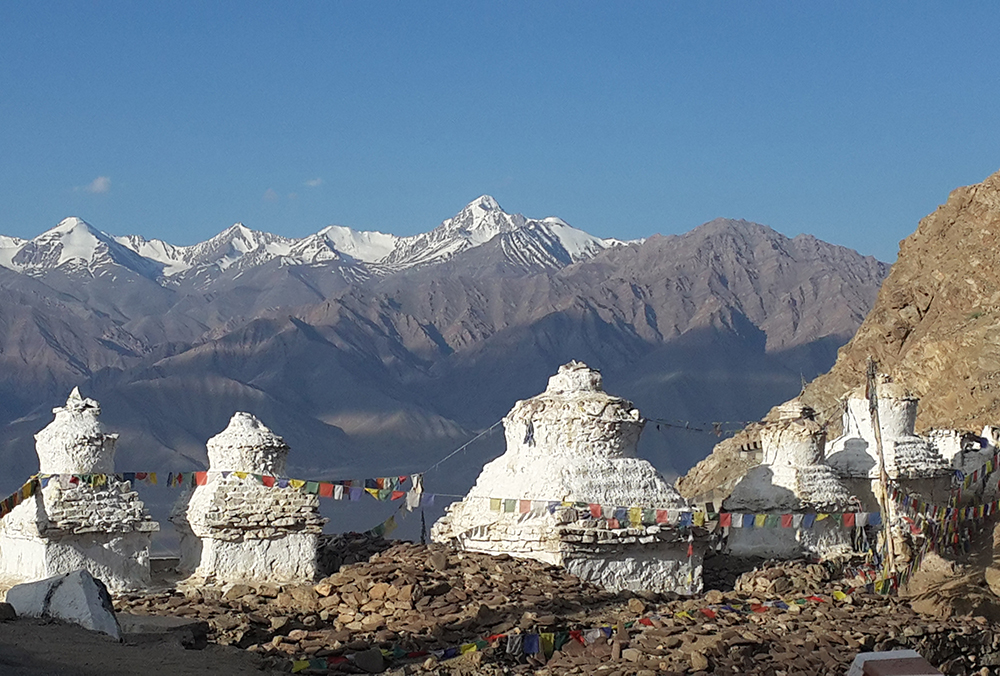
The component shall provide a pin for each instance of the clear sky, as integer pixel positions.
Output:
(850, 121)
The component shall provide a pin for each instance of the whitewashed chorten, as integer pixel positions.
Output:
(235, 529)
(791, 479)
(911, 461)
(568, 448)
(97, 523)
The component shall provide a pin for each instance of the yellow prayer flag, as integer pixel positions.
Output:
(296, 483)
(494, 504)
(468, 648)
(839, 595)
(241, 475)
(759, 520)
(299, 665)
(151, 477)
(635, 516)
(699, 519)
(548, 642)
(820, 517)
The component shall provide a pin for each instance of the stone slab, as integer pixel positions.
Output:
(75, 597)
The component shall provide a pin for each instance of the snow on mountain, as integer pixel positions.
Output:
(238, 245)
(481, 221)
(9, 246)
(169, 256)
(476, 224)
(73, 245)
(366, 246)
(235, 244)
(527, 244)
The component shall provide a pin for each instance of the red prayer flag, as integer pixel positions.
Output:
(595, 511)
(525, 506)
(325, 490)
(662, 516)
(725, 520)
(396, 495)
(267, 481)
(646, 621)
(200, 478)
(816, 599)
(612, 523)
(708, 612)
(849, 519)
(786, 520)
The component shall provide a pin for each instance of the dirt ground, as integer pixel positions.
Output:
(44, 648)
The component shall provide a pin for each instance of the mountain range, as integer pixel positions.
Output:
(377, 354)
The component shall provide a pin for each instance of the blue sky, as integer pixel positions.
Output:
(850, 121)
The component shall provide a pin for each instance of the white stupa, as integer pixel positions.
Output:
(575, 445)
(101, 525)
(791, 479)
(234, 529)
(911, 461)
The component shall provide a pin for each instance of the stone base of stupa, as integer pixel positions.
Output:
(827, 539)
(661, 567)
(120, 561)
(652, 558)
(286, 559)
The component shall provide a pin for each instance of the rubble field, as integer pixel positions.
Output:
(390, 613)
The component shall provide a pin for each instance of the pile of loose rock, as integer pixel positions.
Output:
(342, 549)
(788, 578)
(412, 599)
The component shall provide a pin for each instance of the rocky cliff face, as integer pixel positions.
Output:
(935, 329)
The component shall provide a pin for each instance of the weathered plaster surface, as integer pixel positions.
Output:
(104, 529)
(791, 478)
(233, 529)
(576, 443)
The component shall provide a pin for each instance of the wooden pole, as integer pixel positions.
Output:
(883, 476)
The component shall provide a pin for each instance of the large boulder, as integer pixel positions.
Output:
(76, 597)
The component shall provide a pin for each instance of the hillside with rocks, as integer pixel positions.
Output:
(934, 327)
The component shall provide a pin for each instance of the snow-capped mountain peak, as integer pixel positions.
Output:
(234, 243)
(366, 246)
(547, 244)
(73, 245)
(526, 244)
